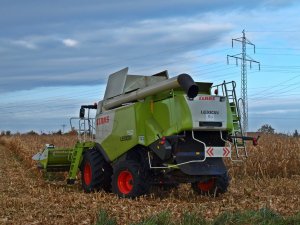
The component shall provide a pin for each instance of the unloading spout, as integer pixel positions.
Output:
(184, 81)
(187, 83)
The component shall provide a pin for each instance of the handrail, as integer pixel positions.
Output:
(86, 128)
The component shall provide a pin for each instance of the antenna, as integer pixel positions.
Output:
(244, 59)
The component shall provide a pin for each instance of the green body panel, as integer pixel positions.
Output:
(145, 122)
(173, 115)
(124, 134)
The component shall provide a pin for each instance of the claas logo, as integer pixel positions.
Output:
(102, 120)
(207, 98)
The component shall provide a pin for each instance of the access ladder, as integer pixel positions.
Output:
(228, 91)
(86, 133)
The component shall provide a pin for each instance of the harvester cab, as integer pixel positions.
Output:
(156, 130)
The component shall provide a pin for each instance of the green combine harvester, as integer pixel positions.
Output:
(154, 130)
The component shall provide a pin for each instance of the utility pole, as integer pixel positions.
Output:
(63, 126)
(244, 59)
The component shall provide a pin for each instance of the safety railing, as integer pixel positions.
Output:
(85, 128)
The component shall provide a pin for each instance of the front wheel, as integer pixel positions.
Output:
(212, 185)
(129, 179)
(95, 172)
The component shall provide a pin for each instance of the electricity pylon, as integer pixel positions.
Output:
(244, 59)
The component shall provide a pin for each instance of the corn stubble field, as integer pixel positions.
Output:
(270, 178)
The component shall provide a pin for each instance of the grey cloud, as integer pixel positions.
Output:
(37, 12)
(106, 46)
(104, 50)
(25, 44)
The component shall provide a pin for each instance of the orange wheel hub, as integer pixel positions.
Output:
(206, 185)
(125, 182)
(87, 174)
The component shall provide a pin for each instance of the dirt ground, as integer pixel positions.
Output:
(27, 198)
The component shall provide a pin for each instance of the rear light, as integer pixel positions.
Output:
(162, 141)
(255, 142)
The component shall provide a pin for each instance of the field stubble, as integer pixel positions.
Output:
(270, 177)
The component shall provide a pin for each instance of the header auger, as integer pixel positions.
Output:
(154, 130)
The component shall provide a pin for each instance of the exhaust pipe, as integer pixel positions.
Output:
(184, 81)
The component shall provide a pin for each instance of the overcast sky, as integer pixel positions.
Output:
(57, 55)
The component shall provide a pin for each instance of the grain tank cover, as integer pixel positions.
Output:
(121, 82)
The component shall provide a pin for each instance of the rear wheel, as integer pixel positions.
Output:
(212, 185)
(95, 172)
(129, 179)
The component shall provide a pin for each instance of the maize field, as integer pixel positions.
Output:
(269, 178)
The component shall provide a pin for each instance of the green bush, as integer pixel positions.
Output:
(264, 216)
(103, 219)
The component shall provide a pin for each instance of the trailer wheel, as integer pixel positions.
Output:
(95, 172)
(212, 186)
(130, 179)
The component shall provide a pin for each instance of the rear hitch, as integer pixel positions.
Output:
(245, 138)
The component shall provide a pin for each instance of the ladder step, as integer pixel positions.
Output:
(240, 145)
(75, 161)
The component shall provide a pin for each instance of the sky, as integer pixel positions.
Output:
(57, 55)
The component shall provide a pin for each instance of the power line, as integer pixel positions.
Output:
(274, 86)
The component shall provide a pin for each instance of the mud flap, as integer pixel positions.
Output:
(211, 166)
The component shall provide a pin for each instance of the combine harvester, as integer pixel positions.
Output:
(154, 130)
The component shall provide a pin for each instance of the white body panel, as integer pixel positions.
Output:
(104, 125)
(208, 112)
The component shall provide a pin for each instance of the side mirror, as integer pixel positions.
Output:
(81, 113)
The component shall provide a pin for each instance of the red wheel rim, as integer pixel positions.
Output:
(125, 182)
(87, 174)
(206, 185)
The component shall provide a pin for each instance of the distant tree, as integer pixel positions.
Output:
(59, 132)
(2, 133)
(266, 128)
(296, 133)
(32, 133)
(73, 131)
(8, 133)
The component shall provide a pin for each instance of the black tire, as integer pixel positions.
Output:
(212, 185)
(169, 187)
(130, 179)
(95, 172)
